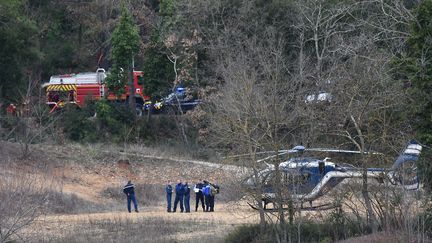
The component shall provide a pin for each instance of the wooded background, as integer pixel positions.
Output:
(353, 74)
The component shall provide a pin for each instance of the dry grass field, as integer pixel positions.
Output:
(151, 224)
(85, 202)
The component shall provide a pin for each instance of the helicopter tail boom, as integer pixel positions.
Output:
(331, 179)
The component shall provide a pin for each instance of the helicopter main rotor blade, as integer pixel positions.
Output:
(285, 151)
(340, 151)
(292, 151)
(272, 156)
(243, 155)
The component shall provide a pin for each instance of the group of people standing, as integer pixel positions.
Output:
(205, 193)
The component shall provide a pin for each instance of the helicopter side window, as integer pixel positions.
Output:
(296, 178)
(270, 178)
(267, 178)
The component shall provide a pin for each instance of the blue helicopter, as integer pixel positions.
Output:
(307, 178)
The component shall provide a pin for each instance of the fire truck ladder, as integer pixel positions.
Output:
(100, 76)
(102, 90)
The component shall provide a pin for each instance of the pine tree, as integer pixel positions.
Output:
(125, 44)
(415, 69)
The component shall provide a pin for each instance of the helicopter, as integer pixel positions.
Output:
(309, 178)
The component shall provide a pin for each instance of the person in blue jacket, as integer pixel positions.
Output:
(186, 190)
(179, 196)
(214, 189)
(129, 190)
(210, 190)
(169, 191)
(207, 195)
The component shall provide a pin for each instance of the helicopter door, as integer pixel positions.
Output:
(267, 182)
(297, 181)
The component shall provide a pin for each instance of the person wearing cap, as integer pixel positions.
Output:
(129, 190)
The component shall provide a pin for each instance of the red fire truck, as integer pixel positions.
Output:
(78, 88)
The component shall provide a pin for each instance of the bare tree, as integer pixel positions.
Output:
(23, 201)
(257, 109)
(339, 49)
(33, 122)
(364, 101)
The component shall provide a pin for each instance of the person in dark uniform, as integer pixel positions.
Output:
(179, 196)
(169, 191)
(199, 196)
(206, 192)
(186, 190)
(214, 189)
(129, 190)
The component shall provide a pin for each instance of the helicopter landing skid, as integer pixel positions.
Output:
(326, 206)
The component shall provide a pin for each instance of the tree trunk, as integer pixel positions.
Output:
(362, 147)
(258, 192)
(280, 202)
(131, 89)
(370, 213)
(258, 199)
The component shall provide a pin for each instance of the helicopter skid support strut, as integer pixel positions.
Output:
(326, 206)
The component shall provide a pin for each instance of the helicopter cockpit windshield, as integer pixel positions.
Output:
(292, 180)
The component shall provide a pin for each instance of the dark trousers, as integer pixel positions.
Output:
(169, 196)
(178, 198)
(199, 197)
(207, 203)
(211, 203)
(187, 203)
(132, 198)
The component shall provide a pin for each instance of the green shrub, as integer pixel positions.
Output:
(244, 234)
(115, 122)
(77, 126)
(328, 231)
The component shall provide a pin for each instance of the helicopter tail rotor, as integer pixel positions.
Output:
(404, 170)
